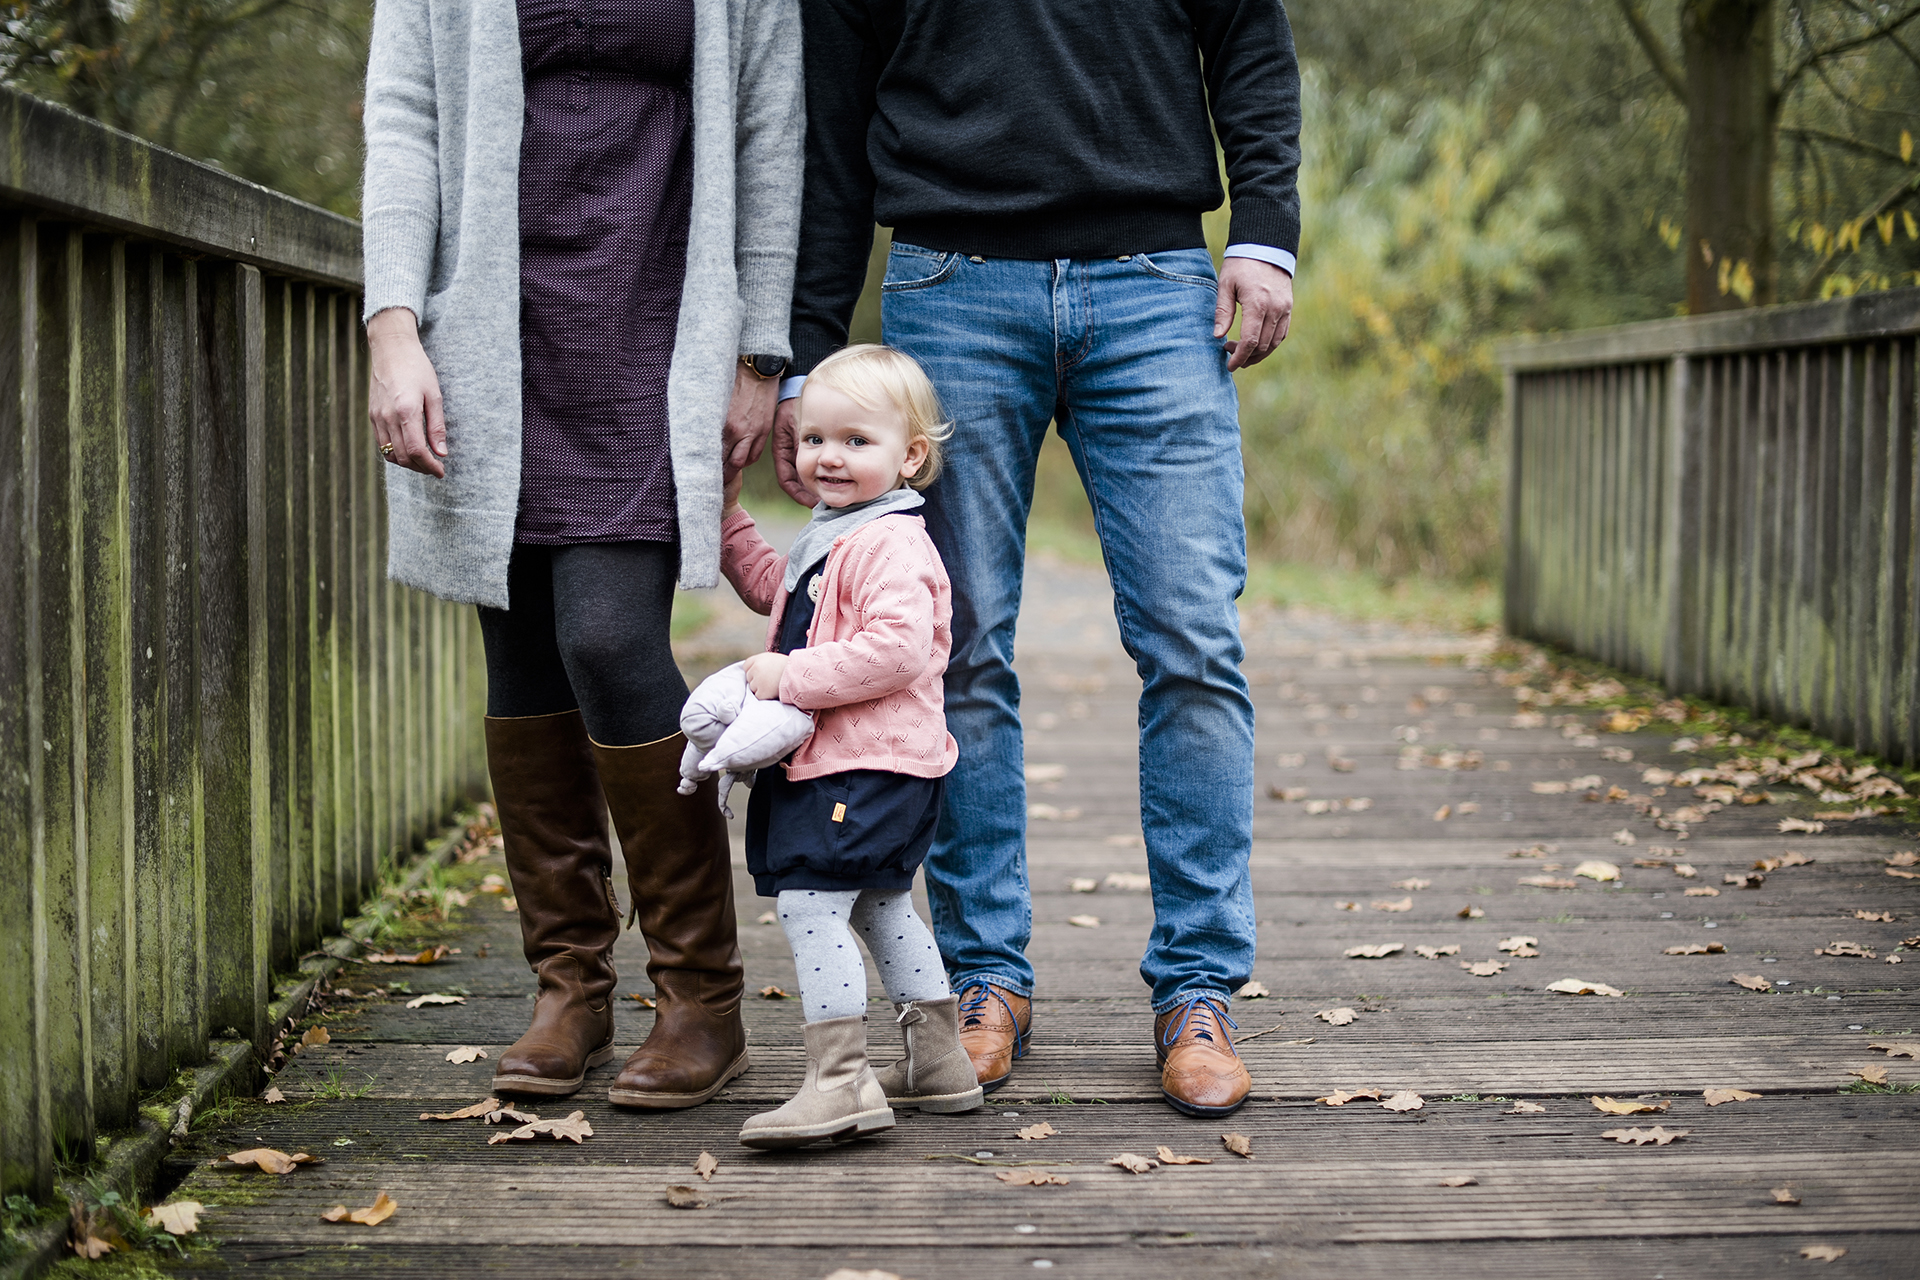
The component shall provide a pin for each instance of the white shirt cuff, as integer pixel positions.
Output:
(1262, 253)
(790, 387)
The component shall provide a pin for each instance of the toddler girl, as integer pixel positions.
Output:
(861, 609)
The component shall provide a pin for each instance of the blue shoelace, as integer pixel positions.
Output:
(972, 1005)
(1214, 1008)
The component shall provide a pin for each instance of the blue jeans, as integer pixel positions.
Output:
(1121, 354)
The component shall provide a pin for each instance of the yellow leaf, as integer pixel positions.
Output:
(1906, 146)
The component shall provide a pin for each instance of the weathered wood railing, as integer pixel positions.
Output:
(1728, 504)
(218, 719)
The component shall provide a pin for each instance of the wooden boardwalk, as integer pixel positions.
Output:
(1354, 1191)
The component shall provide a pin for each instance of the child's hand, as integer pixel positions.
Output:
(730, 491)
(763, 672)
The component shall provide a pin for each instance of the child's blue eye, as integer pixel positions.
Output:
(856, 441)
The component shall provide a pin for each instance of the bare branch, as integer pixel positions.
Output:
(1893, 37)
(1663, 64)
(1838, 47)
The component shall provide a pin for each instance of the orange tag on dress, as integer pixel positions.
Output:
(839, 813)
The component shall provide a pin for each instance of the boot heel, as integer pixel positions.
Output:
(955, 1103)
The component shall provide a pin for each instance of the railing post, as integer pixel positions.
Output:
(1680, 530)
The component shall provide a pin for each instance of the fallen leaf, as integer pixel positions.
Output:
(705, 1166)
(1239, 1144)
(1715, 1096)
(1641, 1137)
(1622, 836)
(504, 1115)
(1751, 981)
(1788, 859)
(1341, 1097)
(1130, 881)
(1685, 870)
(1052, 813)
(848, 1273)
(1036, 1132)
(1898, 1048)
(1167, 1157)
(1904, 875)
(1405, 904)
(273, 1095)
(1524, 1108)
(1405, 1100)
(773, 993)
(466, 1053)
(1033, 1177)
(1378, 951)
(267, 1160)
(314, 1036)
(372, 1216)
(684, 1197)
(1872, 1075)
(1696, 949)
(645, 1002)
(1784, 1195)
(1347, 906)
(1413, 884)
(1841, 948)
(1801, 824)
(1596, 869)
(1908, 858)
(1084, 922)
(418, 1001)
(1519, 942)
(432, 955)
(1629, 1106)
(1651, 862)
(1046, 772)
(1460, 1180)
(1752, 880)
(92, 1248)
(1252, 991)
(1549, 788)
(1548, 882)
(1434, 953)
(1470, 912)
(1704, 891)
(574, 1127)
(1336, 1017)
(1534, 851)
(1823, 1252)
(479, 1108)
(1289, 794)
(1879, 917)
(1444, 812)
(181, 1218)
(1580, 987)
(1484, 968)
(494, 883)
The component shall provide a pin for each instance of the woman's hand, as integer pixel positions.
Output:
(763, 672)
(749, 418)
(404, 398)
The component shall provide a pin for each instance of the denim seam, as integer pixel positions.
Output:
(941, 276)
(1175, 277)
(1187, 995)
(1000, 980)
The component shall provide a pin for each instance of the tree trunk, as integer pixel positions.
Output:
(1727, 46)
(93, 36)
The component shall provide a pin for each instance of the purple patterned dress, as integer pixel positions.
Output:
(606, 188)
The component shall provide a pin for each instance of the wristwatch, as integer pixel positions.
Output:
(764, 367)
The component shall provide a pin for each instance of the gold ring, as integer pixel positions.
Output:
(386, 450)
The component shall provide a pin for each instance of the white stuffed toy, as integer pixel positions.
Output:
(734, 734)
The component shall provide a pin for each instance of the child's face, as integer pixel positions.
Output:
(849, 454)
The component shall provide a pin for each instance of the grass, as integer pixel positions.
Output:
(1865, 1086)
(335, 1088)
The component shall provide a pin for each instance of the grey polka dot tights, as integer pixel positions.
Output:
(833, 981)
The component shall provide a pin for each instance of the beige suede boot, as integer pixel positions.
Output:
(936, 1075)
(840, 1098)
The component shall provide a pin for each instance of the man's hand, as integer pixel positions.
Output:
(749, 416)
(763, 672)
(1264, 294)
(404, 398)
(786, 443)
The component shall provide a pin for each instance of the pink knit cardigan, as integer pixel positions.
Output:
(875, 653)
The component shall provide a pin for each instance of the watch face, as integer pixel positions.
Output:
(768, 366)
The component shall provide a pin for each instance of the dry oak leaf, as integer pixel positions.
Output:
(1622, 836)
(1906, 858)
(1460, 1180)
(1878, 917)
(1033, 1177)
(1751, 981)
(1131, 881)
(466, 1053)
(315, 1035)
(1336, 1017)
(1518, 942)
(574, 1127)
(848, 1273)
(684, 1197)
(1548, 882)
(1872, 1075)
(1841, 948)
(1405, 1100)
(1444, 812)
(1341, 1097)
(1898, 1048)
(507, 1114)
(1685, 870)
(267, 1160)
(1696, 949)
(1549, 788)
(372, 1216)
(1084, 922)
(1641, 1137)
(1704, 891)
(1378, 951)
(705, 1166)
(1596, 869)
(1239, 1144)
(273, 1095)
(773, 993)
(1751, 880)
(1904, 875)
(1629, 1106)
(93, 1248)
(1823, 1252)
(1581, 987)
(1434, 953)
(1036, 1132)
(1801, 824)
(1784, 1195)
(1413, 884)
(1167, 1156)
(1252, 991)
(1470, 912)
(479, 1108)
(1484, 968)
(1714, 1097)
(181, 1218)
(1405, 904)
(418, 1001)
(1524, 1108)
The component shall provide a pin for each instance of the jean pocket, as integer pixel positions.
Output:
(1181, 266)
(911, 267)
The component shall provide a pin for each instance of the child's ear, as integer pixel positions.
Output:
(915, 459)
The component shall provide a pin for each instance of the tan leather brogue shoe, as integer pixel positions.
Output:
(994, 1027)
(1200, 1074)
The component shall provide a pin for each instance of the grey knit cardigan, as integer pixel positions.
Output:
(441, 208)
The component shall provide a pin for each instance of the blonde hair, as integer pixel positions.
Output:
(876, 378)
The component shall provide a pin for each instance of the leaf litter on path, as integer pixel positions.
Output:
(1341, 1097)
(1599, 868)
(705, 1166)
(267, 1160)
(1376, 951)
(1434, 953)
(434, 998)
(372, 1216)
(1697, 949)
(685, 1197)
(1167, 1156)
(574, 1128)
(1581, 987)
(1658, 1136)
(1252, 991)
(1460, 1180)
(1823, 1252)
(1522, 1107)
(465, 1053)
(1898, 1048)
(1336, 1017)
(1629, 1106)
(1033, 1178)
(1239, 1144)
(1132, 1163)
(1484, 968)
(1872, 1075)
(1036, 1132)
(1718, 1097)
(181, 1218)
(1751, 981)
(479, 1108)
(1405, 1100)
(1784, 1195)
(1404, 904)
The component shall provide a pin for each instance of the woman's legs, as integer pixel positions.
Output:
(612, 617)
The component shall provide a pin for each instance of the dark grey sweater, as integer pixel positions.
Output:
(1037, 129)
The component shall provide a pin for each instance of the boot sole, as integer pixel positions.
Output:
(842, 1129)
(547, 1086)
(1195, 1109)
(677, 1101)
(946, 1103)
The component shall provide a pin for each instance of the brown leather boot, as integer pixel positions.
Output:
(994, 1026)
(680, 872)
(554, 826)
(1200, 1073)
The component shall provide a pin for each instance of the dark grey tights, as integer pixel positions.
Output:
(588, 628)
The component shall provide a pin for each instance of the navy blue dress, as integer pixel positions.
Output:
(863, 829)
